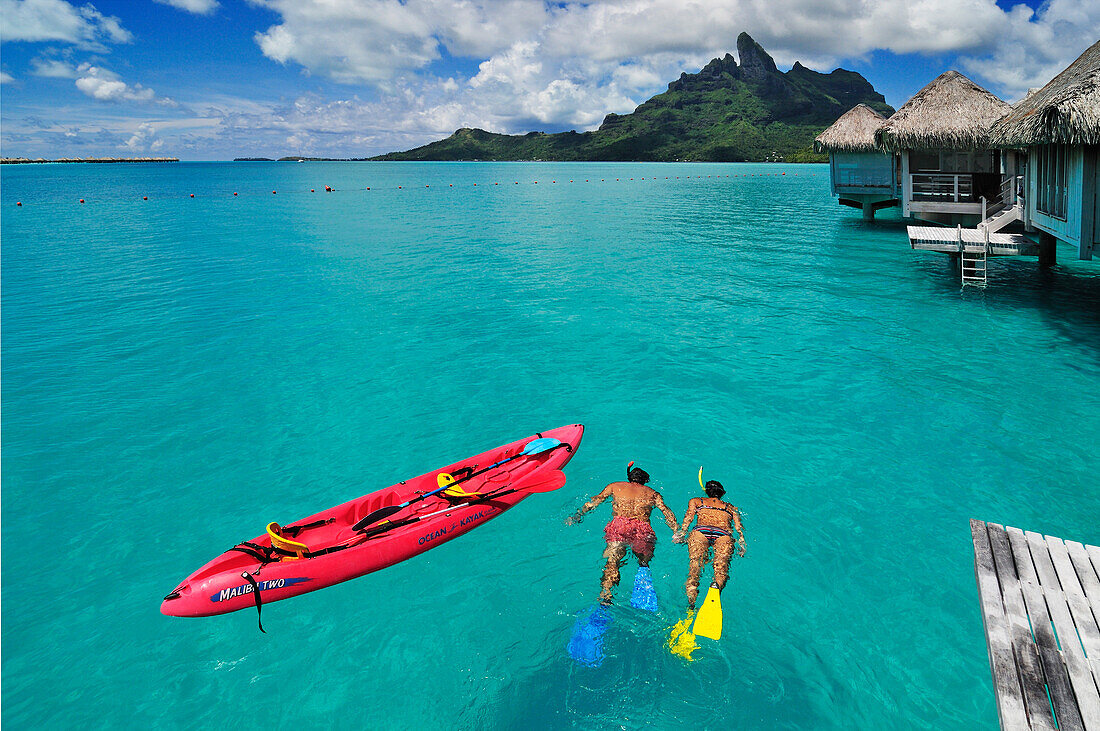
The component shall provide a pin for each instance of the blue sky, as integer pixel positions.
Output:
(217, 79)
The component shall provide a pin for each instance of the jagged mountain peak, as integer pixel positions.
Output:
(731, 109)
(755, 61)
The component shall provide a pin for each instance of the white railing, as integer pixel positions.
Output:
(942, 187)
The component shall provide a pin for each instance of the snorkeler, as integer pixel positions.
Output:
(715, 522)
(632, 503)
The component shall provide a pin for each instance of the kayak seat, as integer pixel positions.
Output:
(367, 507)
(299, 550)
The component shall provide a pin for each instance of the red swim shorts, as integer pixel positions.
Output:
(637, 533)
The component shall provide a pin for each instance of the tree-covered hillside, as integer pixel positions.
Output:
(727, 112)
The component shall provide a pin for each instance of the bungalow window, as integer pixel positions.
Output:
(1051, 181)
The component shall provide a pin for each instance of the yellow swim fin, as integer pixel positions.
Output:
(709, 621)
(681, 642)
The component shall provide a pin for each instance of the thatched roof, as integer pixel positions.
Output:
(1066, 111)
(853, 132)
(951, 113)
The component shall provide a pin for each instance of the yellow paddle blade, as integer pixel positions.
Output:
(701, 478)
(444, 479)
(709, 621)
(681, 642)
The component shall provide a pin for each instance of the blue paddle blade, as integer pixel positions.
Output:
(586, 644)
(644, 596)
(537, 446)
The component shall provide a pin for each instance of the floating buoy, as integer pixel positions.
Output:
(274, 193)
(328, 188)
(145, 197)
(18, 203)
(399, 187)
(368, 187)
(453, 185)
(475, 185)
(427, 186)
(192, 195)
(81, 200)
(311, 190)
(234, 192)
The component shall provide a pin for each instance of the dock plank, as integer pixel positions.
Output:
(1032, 671)
(935, 238)
(1010, 700)
(1086, 573)
(1082, 668)
(1075, 596)
(1063, 696)
(1080, 672)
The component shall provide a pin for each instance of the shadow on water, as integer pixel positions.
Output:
(1066, 296)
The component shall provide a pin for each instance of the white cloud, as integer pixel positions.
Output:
(1032, 53)
(57, 20)
(199, 7)
(567, 64)
(6, 78)
(144, 139)
(53, 68)
(104, 85)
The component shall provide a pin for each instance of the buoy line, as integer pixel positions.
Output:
(330, 189)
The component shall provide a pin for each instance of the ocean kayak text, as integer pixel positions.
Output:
(428, 537)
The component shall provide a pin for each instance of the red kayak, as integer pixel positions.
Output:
(376, 530)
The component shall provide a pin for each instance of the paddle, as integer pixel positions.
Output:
(549, 482)
(535, 446)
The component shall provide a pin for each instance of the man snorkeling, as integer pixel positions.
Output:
(632, 503)
(715, 522)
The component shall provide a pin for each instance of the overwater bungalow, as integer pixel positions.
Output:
(948, 163)
(861, 173)
(1057, 128)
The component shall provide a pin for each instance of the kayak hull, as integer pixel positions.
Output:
(228, 582)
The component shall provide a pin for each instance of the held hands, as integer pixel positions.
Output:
(678, 536)
(741, 547)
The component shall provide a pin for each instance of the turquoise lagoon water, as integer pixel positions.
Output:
(177, 372)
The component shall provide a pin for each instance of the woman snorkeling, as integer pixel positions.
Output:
(715, 522)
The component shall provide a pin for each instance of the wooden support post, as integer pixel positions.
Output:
(868, 210)
(1048, 250)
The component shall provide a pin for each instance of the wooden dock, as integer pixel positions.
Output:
(970, 240)
(1040, 601)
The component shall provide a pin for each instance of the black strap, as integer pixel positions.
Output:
(259, 602)
(254, 554)
(293, 530)
(323, 551)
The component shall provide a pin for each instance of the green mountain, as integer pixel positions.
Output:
(727, 112)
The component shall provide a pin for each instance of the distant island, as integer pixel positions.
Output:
(25, 160)
(728, 112)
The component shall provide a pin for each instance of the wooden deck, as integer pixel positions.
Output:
(935, 238)
(1040, 601)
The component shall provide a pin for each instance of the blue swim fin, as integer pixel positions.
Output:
(586, 644)
(644, 596)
